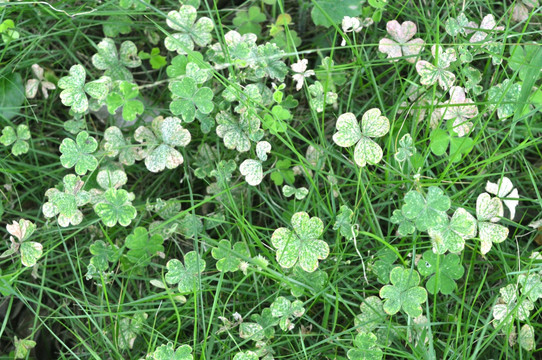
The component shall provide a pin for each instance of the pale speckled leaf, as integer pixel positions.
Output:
(531, 286)
(371, 314)
(116, 207)
(185, 276)
(488, 209)
(348, 130)
(65, 203)
(299, 193)
(22, 230)
(285, 310)
(404, 293)
(367, 152)
(190, 31)
(491, 233)
(251, 331)
(173, 133)
(236, 133)
(505, 189)
(228, 260)
(79, 153)
(246, 355)
(526, 337)
(129, 329)
(163, 156)
(168, 352)
(16, 138)
(262, 149)
(426, 213)
(111, 178)
(115, 144)
(99, 89)
(252, 171)
(430, 74)
(401, 43)
(366, 348)
(406, 148)
(73, 93)
(187, 98)
(108, 59)
(31, 251)
(451, 235)
(504, 97)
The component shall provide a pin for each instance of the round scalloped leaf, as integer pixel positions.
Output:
(373, 124)
(73, 93)
(403, 293)
(348, 131)
(79, 153)
(367, 152)
(116, 207)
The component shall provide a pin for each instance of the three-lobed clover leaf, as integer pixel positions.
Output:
(431, 74)
(190, 31)
(17, 138)
(404, 293)
(531, 285)
(373, 125)
(406, 226)
(510, 306)
(187, 98)
(116, 207)
(401, 45)
(372, 315)
(125, 98)
(156, 60)
(450, 235)
(286, 311)
(488, 212)
(526, 337)
(504, 97)
(142, 246)
(238, 134)
(426, 212)
(229, 260)
(406, 148)
(168, 352)
(248, 21)
(79, 153)
(30, 251)
(460, 110)
(269, 62)
(315, 280)
(443, 271)
(319, 98)
(103, 254)
(266, 321)
(460, 25)
(32, 85)
(73, 86)
(129, 329)
(116, 63)
(185, 276)
(116, 145)
(366, 348)
(301, 245)
(252, 170)
(442, 139)
(65, 203)
(343, 222)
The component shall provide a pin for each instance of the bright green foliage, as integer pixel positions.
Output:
(168, 352)
(156, 60)
(73, 86)
(319, 98)
(450, 235)
(431, 74)
(7, 29)
(510, 306)
(65, 203)
(246, 355)
(526, 337)
(11, 95)
(504, 97)
(372, 315)
(384, 264)
(252, 171)
(531, 285)
(248, 21)
(103, 254)
(185, 276)
(444, 270)
(229, 260)
(116, 207)
(238, 134)
(116, 63)
(406, 148)
(179, 64)
(286, 311)
(335, 10)
(79, 153)
(125, 98)
(283, 172)
(17, 138)
(441, 139)
(460, 25)
(141, 246)
(521, 58)
(298, 193)
(30, 251)
(343, 222)
(116, 145)
(116, 25)
(488, 212)
(266, 321)
(366, 348)
(137, 5)
(316, 281)
(277, 121)
(406, 226)
(301, 244)
(404, 293)
(189, 32)
(426, 212)
(22, 347)
(129, 328)
(187, 98)
(269, 62)
(159, 144)
(373, 125)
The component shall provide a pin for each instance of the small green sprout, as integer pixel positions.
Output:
(404, 293)
(189, 32)
(366, 348)
(17, 138)
(186, 276)
(65, 203)
(79, 153)
(443, 272)
(156, 60)
(401, 45)
(7, 29)
(116, 207)
(286, 311)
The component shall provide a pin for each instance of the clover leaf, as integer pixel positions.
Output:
(22, 346)
(73, 86)
(286, 311)
(526, 337)
(431, 74)
(269, 62)
(116, 145)
(32, 85)
(443, 271)
(441, 139)
(16, 138)
(460, 110)
(266, 321)
(156, 60)
(248, 21)
(65, 203)
(504, 97)
(450, 235)
(246, 355)
(460, 25)
(504, 189)
(301, 245)
(401, 45)
(372, 315)
(385, 262)
(129, 328)
(373, 125)
(343, 222)
(125, 98)
(238, 134)
(406, 148)
(404, 293)
(521, 57)
(510, 306)
(252, 171)
(366, 348)
(185, 276)
(488, 212)
(160, 143)
(187, 98)
(168, 352)
(315, 281)
(30, 251)
(115, 25)
(6, 30)
(427, 212)
(103, 254)
(318, 99)
(116, 63)
(141, 246)
(531, 286)
(116, 207)
(241, 52)
(79, 153)
(283, 172)
(298, 193)
(229, 260)
(189, 32)
(406, 226)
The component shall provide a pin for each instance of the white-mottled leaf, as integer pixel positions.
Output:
(262, 149)
(367, 152)
(252, 171)
(348, 130)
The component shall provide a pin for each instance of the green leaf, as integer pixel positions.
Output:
(329, 12)
(185, 276)
(286, 311)
(103, 254)
(116, 25)
(504, 97)
(443, 271)
(156, 60)
(73, 93)
(65, 203)
(406, 226)
(488, 212)
(372, 314)
(115, 145)
(248, 21)
(384, 264)
(315, 281)
(343, 222)
(23, 347)
(531, 286)
(168, 352)
(228, 260)
(6, 30)
(439, 141)
(142, 247)
(116, 207)
(451, 235)
(11, 95)
(31, 251)
(189, 32)
(299, 193)
(404, 293)
(129, 328)
(526, 337)
(319, 98)
(79, 153)
(17, 138)
(187, 98)
(266, 321)
(426, 213)
(125, 98)
(283, 172)
(269, 60)
(116, 63)
(366, 348)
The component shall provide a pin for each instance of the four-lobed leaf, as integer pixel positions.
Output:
(115, 63)
(403, 293)
(450, 235)
(426, 212)
(78, 153)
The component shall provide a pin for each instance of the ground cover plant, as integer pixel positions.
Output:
(270, 179)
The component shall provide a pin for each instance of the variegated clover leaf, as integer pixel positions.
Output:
(526, 337)
(373, 125)
(404, 293)
(504, 97)
(16, 138)
(246, 355)
(431, 74)
(79, 153)
(372, 315)
(137, 5)
(109, 177)
(301, 73)
(366, 348)
(460, 25)
(443, 271)
(185, 276)
(299, 193)
(510, 306)
(22, 346)
(269, 62)
(189, 32)
(168, 352)
(460, 110)
(401, 45)
(488, 212)
(301, 245)
(115, 144)
(318, 99)
(384, 263)
(30, 251)
(406, 148)
(531, 285)
(426, 212)
(315, 281)
(125, 98)
(187, 98)
(406, 226)
(266, 321)
(159, 144)
(238, 134)
(229, 260)
(32, 85)
(241, 51)
(103, 254)
(286, 311)
(504, 189)
(73, 86)
(116, 206)
(343, 223)
(262, 149)
(142, 246)
(487, 26)
(450, 235)
(65, 203)
(129, 328)
(252, 170)
(116, 63)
